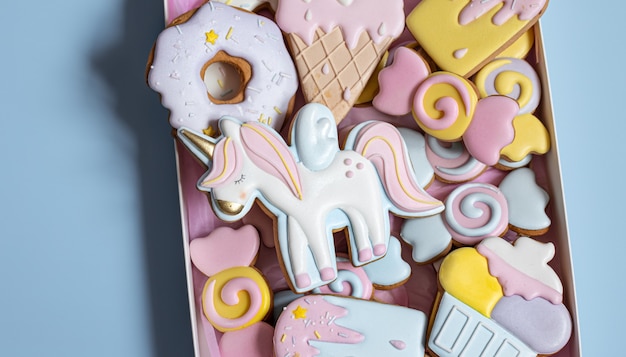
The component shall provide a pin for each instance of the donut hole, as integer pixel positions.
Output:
(225, 78)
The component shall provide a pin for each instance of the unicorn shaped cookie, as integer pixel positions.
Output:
(313, 187)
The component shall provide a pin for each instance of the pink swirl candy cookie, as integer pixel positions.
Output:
(451, 161)
(475, 211)
(202, 66)
(351, 281)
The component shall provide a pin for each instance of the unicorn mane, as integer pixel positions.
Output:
(227, 162)
(271, 154)
(382, 144)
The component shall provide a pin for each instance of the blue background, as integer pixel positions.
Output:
(90, 249)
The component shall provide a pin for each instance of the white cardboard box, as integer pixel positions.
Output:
(204, 338)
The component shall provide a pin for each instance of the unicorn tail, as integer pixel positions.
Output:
(382, 144)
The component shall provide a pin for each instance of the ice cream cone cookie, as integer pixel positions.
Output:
(500, 298)
(463, 35)
(218, 61)
(337, 45)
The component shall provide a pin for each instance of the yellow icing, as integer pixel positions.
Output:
(299, 312)
(531, 136)
(211, 37)
(505, 82)
(521, 47)
(435, 25)
(442, 90)
(464, 274)
(371, 88)
(238, 310)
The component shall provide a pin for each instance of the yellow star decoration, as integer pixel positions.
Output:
(211, 37)
(299, 312)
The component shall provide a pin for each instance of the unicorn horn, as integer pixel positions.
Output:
(202, 147)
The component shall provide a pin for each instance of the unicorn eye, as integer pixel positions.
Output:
(241, 179)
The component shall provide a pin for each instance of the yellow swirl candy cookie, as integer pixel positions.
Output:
(236, 298)
(444, 105)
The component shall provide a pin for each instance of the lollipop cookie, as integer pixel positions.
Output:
(220, 61)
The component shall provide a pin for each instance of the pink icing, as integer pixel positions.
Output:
(303, 17)
(227, 162)
(451, 161)
(225, 248)
(176, 8)
(311, 318)
(491, 128)
(524, 9)
(382, 144)
(269, 152)
(399, 81)
(514, 282)
(252, 341)
(448, 106)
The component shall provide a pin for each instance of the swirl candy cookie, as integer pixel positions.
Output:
(463, 35)
(337, 45)
(220, 61)
(500, 299)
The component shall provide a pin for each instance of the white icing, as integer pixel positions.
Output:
(416, 147)
(529, 257)
(390, 269)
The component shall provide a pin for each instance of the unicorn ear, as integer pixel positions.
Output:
(201, 146)
(315, 136)
(229, 126)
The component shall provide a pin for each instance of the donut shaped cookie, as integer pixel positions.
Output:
(236, 298)
(223, 61)
(475, 211)
(512, 77)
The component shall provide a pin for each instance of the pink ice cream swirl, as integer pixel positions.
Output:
(381, 20)
(522, 269)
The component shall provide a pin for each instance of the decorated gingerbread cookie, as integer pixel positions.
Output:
(354, 188)
(505, 294)
(219, 60)
(463, 35)
(322, 325)
(337, 45)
